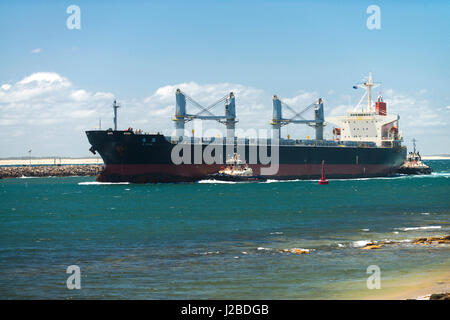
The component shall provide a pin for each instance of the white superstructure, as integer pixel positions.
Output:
(367, 124)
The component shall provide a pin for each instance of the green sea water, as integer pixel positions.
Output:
(213, 240)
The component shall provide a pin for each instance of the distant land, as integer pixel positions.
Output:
(45, 157)
(436, 157)
(23, 161)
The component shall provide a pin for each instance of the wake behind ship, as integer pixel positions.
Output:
(366, 143)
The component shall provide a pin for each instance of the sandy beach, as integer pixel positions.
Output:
(415, 285)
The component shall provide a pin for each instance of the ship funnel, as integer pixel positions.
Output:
(380, 106)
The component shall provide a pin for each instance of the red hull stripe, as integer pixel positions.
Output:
(191, 171)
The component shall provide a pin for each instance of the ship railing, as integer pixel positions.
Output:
(281, 142)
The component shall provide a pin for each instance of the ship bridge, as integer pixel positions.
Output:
(368, 125)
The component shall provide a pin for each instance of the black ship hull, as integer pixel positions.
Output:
(142, 158)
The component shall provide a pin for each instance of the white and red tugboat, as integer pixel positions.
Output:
(236, 170)
(414, 164)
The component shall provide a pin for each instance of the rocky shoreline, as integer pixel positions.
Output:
(433, 296)
(50, 171)
(436, 240)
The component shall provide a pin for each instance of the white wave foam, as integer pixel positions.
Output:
(96, 183)
(401, 176)
(209, 252)
(216, 181)
(275, 180)
(432, 175)
(276, 233)
(361, 243)
(233, 182)
(419, 228)
(439, 174)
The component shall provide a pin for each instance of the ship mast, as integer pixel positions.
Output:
(115, 106)
(368, 86)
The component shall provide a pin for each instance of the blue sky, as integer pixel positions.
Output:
(130, 49)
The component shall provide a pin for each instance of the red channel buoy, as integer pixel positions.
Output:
(323, 180)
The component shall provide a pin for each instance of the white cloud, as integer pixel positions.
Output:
(47, 106)
(43, 106)
(103, 95)
(303, 99)
(6, 87)
(47, 112)
(34, 86)
(80, 95)
(415, 112)
(340, 110)
(44, 78)
(37, 50)
(423, 91)
(253, 106)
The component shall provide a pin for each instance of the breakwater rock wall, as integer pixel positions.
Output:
(50, 171)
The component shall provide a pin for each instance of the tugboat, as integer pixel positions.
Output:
(414, 164)
(236, 170)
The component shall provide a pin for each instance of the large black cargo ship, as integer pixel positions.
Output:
(365, 143)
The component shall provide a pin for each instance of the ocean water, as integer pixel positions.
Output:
(213, 240)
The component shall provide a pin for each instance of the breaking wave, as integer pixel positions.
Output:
(216, 181)
(403, 176)
(275, 180)
(96, 183)
(361, 243)
(419, 228)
